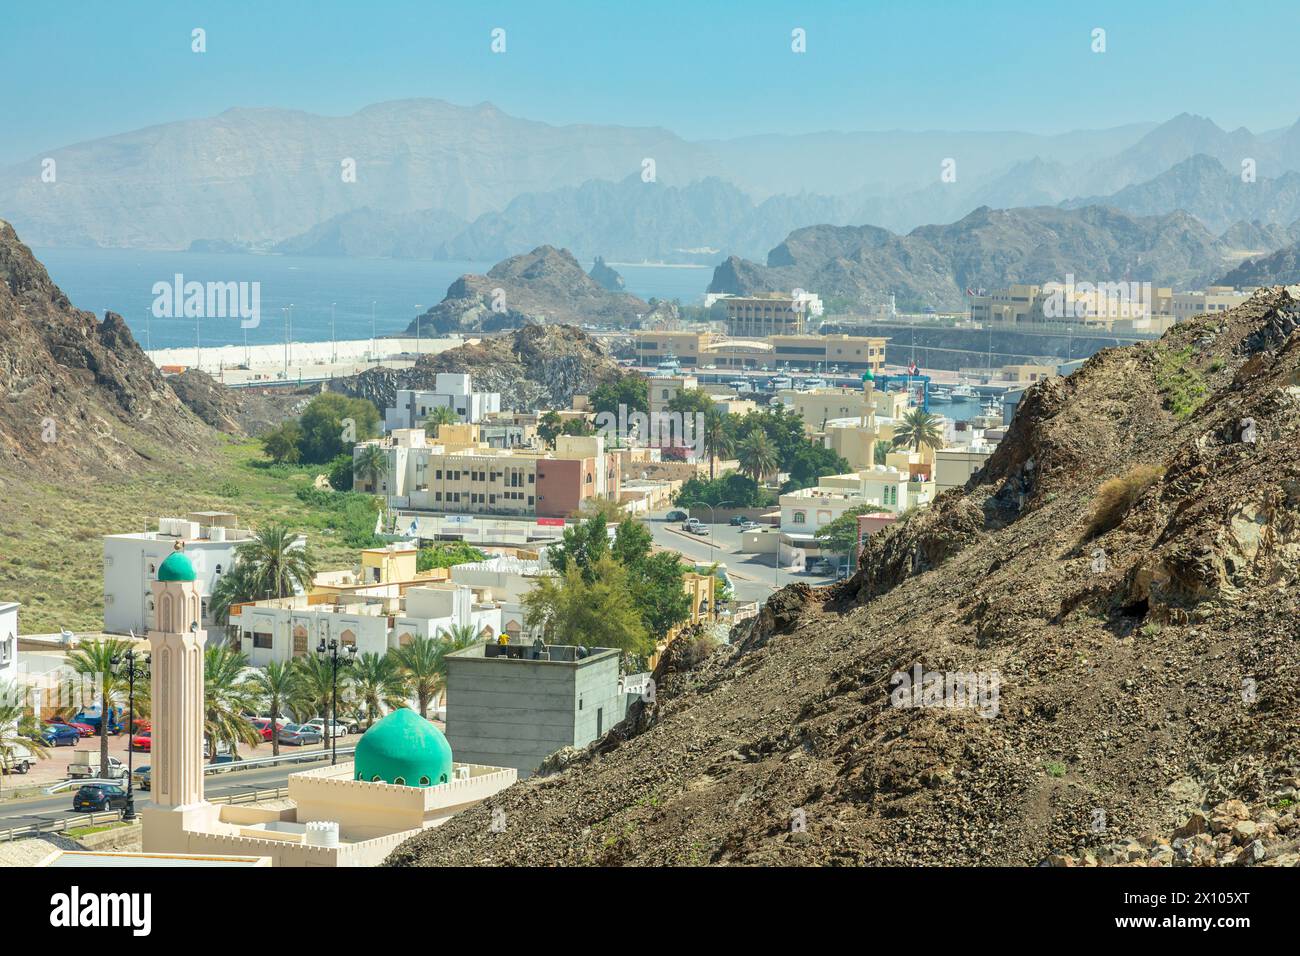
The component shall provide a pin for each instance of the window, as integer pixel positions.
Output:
(299, 641)
(262, 640)
(348, 638)
(800, 517)
(400, 781)
(424, 781)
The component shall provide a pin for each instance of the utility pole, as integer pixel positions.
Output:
(372, 330)
(418, 316)
(334, 348)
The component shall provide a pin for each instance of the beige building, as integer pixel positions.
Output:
(849, 352)
(771, 313)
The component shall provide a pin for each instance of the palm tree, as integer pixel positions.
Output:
(377, 684)
(17, 732)
(236, 586)
(371, 465)
(716, 439)
(280, 687)
(99, 660)
(278, 565)
(919, 428)
(757, 455)
(317, 675)
(227, 696)
(441, 415)
(422, 666)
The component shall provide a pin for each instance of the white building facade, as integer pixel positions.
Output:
(8, 642)
(450, 390)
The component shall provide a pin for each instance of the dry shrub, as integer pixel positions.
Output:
(1116, 496)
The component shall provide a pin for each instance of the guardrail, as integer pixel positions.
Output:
(65, 824)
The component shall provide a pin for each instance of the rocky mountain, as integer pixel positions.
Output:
(1099, 630)
(1215, 195)
(537, 366)
(605, 276)
(544, 285)
(1280, 268)
(78, 396)
(934, 265)
(372, 234)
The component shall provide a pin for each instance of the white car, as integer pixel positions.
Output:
(329, 728)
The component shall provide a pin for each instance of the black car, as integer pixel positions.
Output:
(99, 796)
(676, 515)
(738, 520)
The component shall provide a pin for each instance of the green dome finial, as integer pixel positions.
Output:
(868, 376)
(403, 749)
(177, 567)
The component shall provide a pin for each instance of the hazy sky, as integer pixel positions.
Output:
(80, 69)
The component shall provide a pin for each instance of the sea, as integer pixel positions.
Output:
(122, 281)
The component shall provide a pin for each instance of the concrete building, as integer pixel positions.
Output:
(771, 313)
(131, 562)
(8, 643)
(513, 706)
(849, 352)
(662, 389)
(953, 467)
(504, 580)
(450, 390)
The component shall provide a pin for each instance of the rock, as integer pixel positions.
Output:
(1196, 823)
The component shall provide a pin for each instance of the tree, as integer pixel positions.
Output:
(549, 427)
(582, 545)
(227, 694)
(577, 426)
(657, 591)
(692, 401)
(332, 423)
(439, 416)
(17, 734)
(917, 429)
(277, 564)
(339, 472)
(281, 444)
(566, 609)
(840, 536)
(811, 462)
(378, 684)
(370, 465)
(632, 541)
(736, 489)
(758, 456)
(446, 555)
(99, 661)
(423, 669)
(716, 438)
(280, 687)
(317, 675)
(237, 585)
(629, 390)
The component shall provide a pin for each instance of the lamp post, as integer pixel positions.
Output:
(330, 649)
(131, 658)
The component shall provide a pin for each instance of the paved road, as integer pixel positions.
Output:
(754, 576)
(32, 810)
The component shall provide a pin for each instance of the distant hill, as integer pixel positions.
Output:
(934, 265)
(544, 285)
(374, 234)
(1280, 268)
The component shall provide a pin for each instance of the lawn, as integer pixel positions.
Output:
(51, 552)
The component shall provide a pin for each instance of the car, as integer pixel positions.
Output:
(19, 760)
(59, 735)
(701, 529)
(142, 742)
(99, 796)
(220, 759)
(84, 729)
(297, 735)
(143, 777)
(677, 515)
(749, 525)
(339, 728)
(738, 521)
(263, 726)
(690, 523)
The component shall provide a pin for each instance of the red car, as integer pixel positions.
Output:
(84, 730)
(142, 741)
(263, 726)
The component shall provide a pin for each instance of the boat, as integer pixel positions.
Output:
(940, 394)
(810, 383)
(781, 381)
(962, 393)
(669, 364)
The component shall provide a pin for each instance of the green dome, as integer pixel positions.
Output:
(868, 376)
(404, 749)
(177, 567)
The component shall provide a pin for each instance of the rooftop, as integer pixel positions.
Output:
(566, 654)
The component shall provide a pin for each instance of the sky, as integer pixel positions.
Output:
(80, 69)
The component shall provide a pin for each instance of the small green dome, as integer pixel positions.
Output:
(177, 567)
(868, 376)
(404, 749)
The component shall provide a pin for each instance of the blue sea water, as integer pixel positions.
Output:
(122, 281)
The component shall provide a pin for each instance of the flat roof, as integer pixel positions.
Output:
(77, 859)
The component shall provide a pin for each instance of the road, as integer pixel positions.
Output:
(33, 810)
(754, 576)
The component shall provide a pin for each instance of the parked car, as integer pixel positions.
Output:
(86, 763)
(690, 523)
(738, 521)
(99, 796)
(92, 717)
(222, 748)
(19, 760)
(676, 515)
(335, 729)
(143, 777)
(263, 726)
(142, 742)
(59, 735)
(220, 759)
(748, 525)
(84, 729)
(700, 529)
(297, 735)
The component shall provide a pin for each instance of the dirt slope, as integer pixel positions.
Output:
(1144, 674)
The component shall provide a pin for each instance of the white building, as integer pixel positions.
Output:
(280, 629)
(450, 390)
(131, 564)
(506, 580)
(8, 642)
(804, 511)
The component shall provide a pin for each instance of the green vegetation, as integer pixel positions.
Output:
(841, 535)
(737, 490)
(329, 427)
(351, 514)
(1182, 386)
(1117, 496)
(918, 429)
(629, 390)
(1054, 768)
(445, 555)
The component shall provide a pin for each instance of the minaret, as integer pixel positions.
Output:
(176, 661)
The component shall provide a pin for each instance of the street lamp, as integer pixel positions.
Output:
(136, 664)
(330, 649)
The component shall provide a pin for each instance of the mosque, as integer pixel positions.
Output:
(403, 778)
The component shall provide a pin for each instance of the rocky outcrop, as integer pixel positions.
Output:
(607, 278)
(1139, 676)
(545, 285)
(77, 394)
(208, 399)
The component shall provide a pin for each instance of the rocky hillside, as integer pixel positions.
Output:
(545, 285)
(990, 248)
(1279, 268)
(77, 395)
(537, 366)
(1129, 651)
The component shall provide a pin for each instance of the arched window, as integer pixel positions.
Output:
(347, 637)
(800, 517)
(376, 779)
(405, 639)
(400, 781)
(424, 781)
(299, 640)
